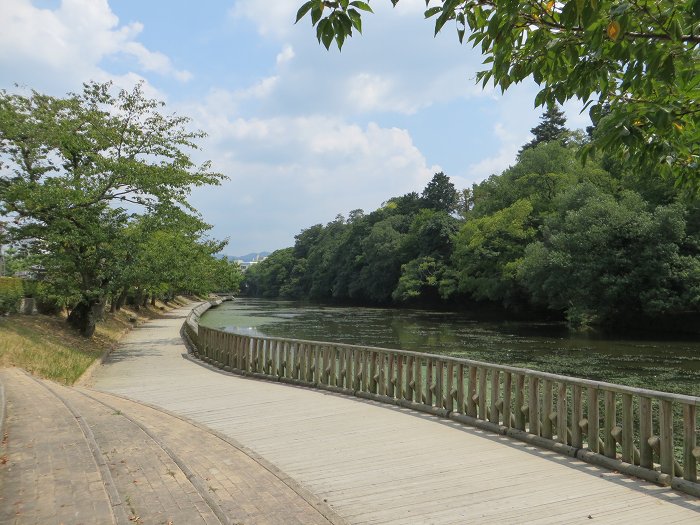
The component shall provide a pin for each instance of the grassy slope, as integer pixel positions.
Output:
(48, 347)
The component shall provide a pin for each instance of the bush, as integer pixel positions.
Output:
(47, 302)
(30, 287)
(11, 291)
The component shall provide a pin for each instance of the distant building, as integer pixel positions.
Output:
(247, 264)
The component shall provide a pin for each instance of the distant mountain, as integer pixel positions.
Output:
(248, 257)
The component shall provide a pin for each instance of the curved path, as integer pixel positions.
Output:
(77, 456)
(374, 463)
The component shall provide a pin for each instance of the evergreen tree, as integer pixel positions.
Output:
(551, 128)
(440, 194)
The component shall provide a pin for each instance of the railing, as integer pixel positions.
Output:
(645, 433)
(192, 321)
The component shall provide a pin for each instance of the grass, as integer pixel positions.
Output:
(46, 346)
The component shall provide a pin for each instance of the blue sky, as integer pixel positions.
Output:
(302, 133)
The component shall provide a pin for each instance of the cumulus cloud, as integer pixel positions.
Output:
(287, 173)
(66, 45)
(396, 66)
(272, 17)
(285, 55)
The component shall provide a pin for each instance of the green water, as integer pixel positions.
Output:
(671, 365)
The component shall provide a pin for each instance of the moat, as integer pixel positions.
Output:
(661, 364)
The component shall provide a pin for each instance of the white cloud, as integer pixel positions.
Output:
(510, 144)
(370, 92)
(65, 46)
(493, 165)
(273, 17)
(395, 66)
(285, 55)
(288, 173)
(154, 61)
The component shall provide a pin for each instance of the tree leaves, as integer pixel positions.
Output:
(305, 8)
(77, 172)
(636, 57)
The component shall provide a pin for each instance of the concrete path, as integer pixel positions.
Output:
(75, 456)
(378, 464)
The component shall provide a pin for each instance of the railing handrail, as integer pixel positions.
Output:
(603, 385)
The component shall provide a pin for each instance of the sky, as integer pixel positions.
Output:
(303, 134)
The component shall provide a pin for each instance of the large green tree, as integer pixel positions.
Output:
(609, 260)
(489, 251)
(640, 58)
(75, 171)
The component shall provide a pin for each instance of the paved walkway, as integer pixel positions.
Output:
(75, 456)
(378, 464)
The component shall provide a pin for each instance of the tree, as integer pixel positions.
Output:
(68, 168)
(489, 250)
(440, 194)
(431, 234)
(167, 251)
(419, 278)
(609, 261)
(550, 129)
(640, 57)
(382, 259)
(268, 277)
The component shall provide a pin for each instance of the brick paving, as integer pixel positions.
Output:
(76, 456)
(48, 474)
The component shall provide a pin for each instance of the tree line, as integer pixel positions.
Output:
(94, 188)
(597, 244)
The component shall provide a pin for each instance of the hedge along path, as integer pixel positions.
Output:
(375, 463)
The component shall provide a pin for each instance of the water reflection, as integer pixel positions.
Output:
(670, 365)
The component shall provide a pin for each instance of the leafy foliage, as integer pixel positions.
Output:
(11, 292)
(608, 259)
(490, 249)
(94, 183)
(639, 58)
(440, 194)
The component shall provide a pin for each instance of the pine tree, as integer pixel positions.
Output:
(552, 127)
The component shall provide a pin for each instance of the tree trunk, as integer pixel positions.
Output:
(85, 314)
(138, 298)
(122, 298)
(153, 300)
(144, 303)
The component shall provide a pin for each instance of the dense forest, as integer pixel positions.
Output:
(597, 244)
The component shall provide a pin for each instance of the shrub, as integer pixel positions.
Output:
(11, 291)
(47, 301)
(30, 287)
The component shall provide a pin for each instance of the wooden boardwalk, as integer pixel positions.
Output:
(374, 463)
